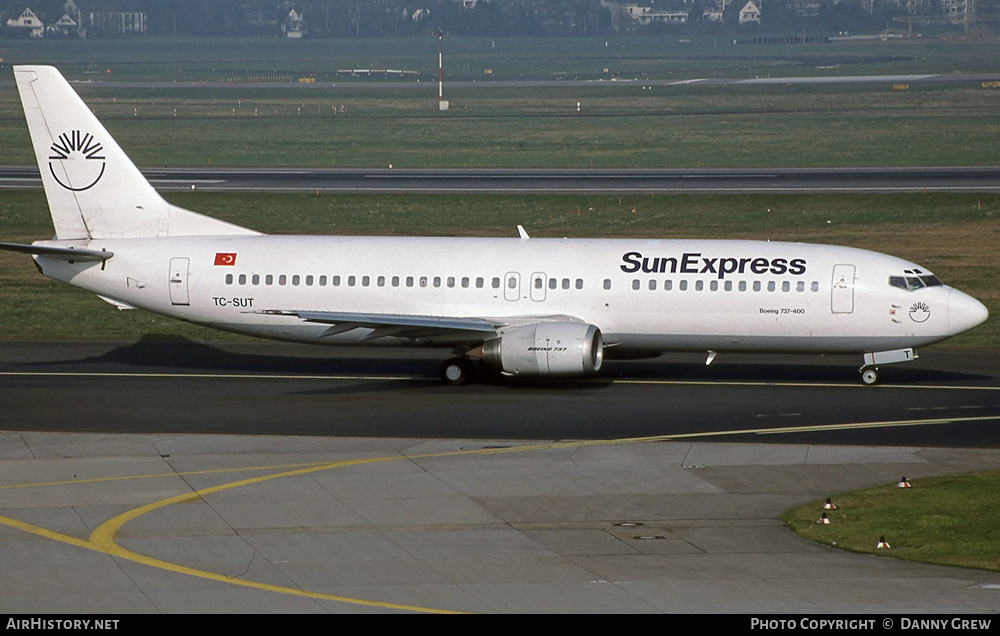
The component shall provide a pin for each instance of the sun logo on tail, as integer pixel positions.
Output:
(77, 161)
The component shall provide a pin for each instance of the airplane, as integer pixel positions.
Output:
(521, 306)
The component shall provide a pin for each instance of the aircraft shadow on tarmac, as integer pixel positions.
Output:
(167, 354)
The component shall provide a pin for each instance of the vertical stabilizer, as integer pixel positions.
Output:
(93, 188)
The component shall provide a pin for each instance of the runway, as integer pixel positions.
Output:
(183, 477)
(267, 389)
(618, 181)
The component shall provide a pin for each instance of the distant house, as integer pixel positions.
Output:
(293, 25)
(750, 14)
(66, 25)
(28, 20)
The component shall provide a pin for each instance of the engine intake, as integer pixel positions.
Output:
(547, 348)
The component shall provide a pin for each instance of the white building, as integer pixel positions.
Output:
(28, 20)
(750, 14)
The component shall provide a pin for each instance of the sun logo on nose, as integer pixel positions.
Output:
(77, 161)
(919, 312)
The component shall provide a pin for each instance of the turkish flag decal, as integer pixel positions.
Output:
(225, 258)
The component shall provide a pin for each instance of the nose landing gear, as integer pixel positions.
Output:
(870, 375)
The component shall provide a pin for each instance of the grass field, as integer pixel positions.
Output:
(521, 127)
(948, 520)
(209, 113)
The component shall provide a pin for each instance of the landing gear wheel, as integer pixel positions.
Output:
(456, 372)
(870, 375)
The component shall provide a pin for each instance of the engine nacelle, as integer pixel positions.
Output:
(547, 348)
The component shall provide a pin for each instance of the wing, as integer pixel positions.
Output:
(434, 328)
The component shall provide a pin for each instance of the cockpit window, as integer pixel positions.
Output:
(913, 282)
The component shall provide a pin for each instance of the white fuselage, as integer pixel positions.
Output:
(644, 295)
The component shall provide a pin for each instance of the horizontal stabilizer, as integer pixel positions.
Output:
(66, 253)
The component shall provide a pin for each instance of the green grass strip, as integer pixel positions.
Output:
(951, 520)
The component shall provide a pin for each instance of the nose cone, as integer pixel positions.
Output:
(965, 312)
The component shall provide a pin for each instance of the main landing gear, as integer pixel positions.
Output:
(456, 371)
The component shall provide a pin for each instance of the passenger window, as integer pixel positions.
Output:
(579, 283)
(800, 286)
(815, 286)
(565, 283)
(683, 285)
(465, 282)
(699, 285)
(652, 284)
(480, 282)
(437, 281)
(756, 285)
(771, 286)
(729, 285)
(635, 283)
(714, 285)
(423, 281)
(269, 279)
(351, 280)
(451, 281)
(743, 285)
(668, 285)
(336, 281)
(243, 279)
(365, 281)
(607, 283)
(229, 279)
(409, 281)
(496, 282)
(395, 281)
(553, 283)
(282, 279)
(255, 279)
(309, 281)
(380, 281)
(322, 281)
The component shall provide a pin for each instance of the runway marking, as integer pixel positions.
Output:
(104, 538)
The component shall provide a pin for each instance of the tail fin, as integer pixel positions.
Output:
(93, 188)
